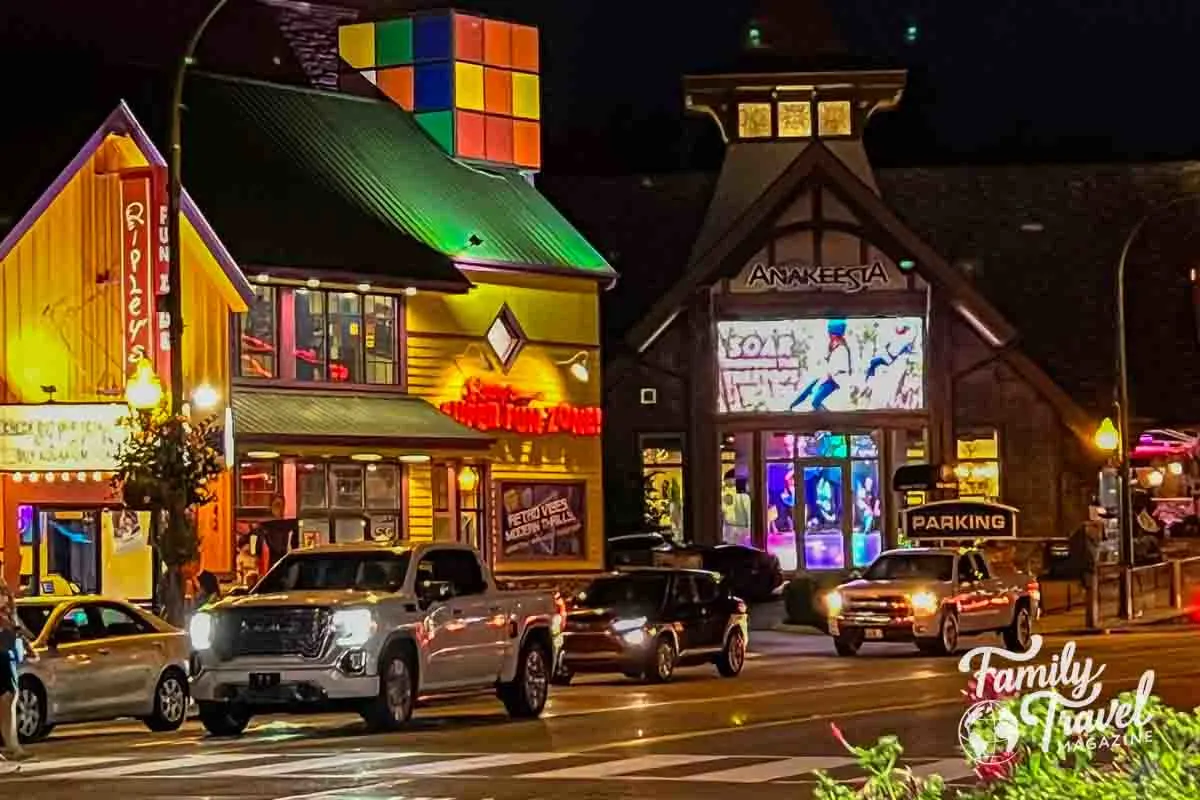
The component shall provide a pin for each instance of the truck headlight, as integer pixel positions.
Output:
(834, 603)
(353, 627)
(200, 630)
(924, 602)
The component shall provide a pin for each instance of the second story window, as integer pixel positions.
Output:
(320, 336)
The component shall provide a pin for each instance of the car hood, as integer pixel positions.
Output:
(868, 588)
(313, 599)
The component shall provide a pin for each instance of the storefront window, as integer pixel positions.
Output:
(347, 485)
(662, 479)
(379, 324)
(259, 341)
(348, 502)
(737, 505)
(345, 338)
(866, 536)
(313, 481)
(310, 335)
(470, 506)
(258, 484)
(910, 448)
(978, 468)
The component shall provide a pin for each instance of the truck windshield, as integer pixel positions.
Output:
(925, 566)
(626, 591)
(380, 572)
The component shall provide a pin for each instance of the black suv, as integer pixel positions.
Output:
(645, 622)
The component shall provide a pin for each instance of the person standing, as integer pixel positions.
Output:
(12, 646)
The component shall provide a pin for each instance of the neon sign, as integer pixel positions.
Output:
(497, 407)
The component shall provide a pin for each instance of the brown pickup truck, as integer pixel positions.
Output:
(932, 597)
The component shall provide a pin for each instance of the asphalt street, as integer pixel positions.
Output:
(601, 739)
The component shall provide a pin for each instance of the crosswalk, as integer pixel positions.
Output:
(552, 766)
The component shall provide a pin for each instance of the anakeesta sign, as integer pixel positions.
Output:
(137, 271)
(794, 276)
(960, 519)
(500, 407)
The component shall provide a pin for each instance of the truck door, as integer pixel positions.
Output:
(974, 608)
(475, 627)
(999, 599)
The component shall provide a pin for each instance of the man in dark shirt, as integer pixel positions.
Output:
(279, 535)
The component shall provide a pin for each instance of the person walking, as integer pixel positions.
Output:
(209, 589)
(13, 640)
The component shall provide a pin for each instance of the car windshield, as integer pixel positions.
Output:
(627, 591)
(925, 566)
(336, 571)
(34, 617)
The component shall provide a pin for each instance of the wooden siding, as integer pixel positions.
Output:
(420, 502)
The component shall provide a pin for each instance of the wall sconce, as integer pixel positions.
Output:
(468, 479)
(205, 397)
(577, 366)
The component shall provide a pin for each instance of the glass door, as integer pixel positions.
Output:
(824, 516)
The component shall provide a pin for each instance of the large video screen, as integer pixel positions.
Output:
(806, 365)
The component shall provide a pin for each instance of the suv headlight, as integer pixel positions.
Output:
(353, 627)
(627, 625)
(200, 630)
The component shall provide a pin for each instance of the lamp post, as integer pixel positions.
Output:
(1126, 466)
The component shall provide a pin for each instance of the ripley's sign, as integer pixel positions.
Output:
(960, 519)
(792, 276)
(497, 407)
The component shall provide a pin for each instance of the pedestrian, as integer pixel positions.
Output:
(13, 641)
(209, 589)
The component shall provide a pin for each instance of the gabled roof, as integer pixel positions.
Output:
(817, 164)
(121, 122)
(288, 157)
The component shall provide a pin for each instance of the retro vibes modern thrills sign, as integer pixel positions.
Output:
(499, 407)
(137, 270)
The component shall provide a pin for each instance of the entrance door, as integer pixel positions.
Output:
(68, 553)
(824, 516)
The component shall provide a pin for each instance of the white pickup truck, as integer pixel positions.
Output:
(371, 628)
(931, 596)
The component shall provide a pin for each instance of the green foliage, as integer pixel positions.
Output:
(1160, 760)
(168, 464)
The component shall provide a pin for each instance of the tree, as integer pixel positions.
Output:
(167, 465)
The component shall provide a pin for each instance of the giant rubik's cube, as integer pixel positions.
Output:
(472, 83)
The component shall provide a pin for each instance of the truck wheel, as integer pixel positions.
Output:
(525, 697)
(733, 657)
(393, 706)
(223, 719)
(947, 642)
(662, 661)
(1019, 635)
(847, 644)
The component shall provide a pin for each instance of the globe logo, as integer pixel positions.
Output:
(989, 733)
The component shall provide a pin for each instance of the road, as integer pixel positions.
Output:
(601, 739)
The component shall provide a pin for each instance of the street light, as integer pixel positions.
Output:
(1107, 438)
(1126, 466)
(144, 392)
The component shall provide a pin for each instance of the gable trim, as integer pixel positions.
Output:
(122, 122)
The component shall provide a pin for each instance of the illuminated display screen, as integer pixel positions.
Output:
(805, 365)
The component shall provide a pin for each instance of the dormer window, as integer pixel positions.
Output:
(833, 118)
(754, 120)
(795, 119)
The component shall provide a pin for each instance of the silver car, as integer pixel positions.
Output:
(99, 659)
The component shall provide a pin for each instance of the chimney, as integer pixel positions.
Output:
(471, 82)
(311, 30)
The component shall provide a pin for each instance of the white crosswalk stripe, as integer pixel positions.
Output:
(405, 766)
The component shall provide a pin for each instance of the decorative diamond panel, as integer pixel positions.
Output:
(505, 338)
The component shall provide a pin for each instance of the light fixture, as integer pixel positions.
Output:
(205, 397)
(349, 295)
(34, 477)
(415, 458)
(312, 283)
(907, 264)
(144, 391)
(372, 467)
(262, 277)
(262, 454)
(49, 477)
(97, 476)
(468, 479)
(81, 476)
(364, 287)
(577, 366)
(1107, 438)
(309, 467)
(65, 477)
(410, 291)
(1175, 468)
(1033, 227)
(366, 457)
(18, 477)
(1154, 479)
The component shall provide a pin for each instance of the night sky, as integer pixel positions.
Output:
(1021, 80)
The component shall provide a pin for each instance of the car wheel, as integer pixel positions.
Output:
(170, 703)
(1019, 635)
(947, 641)
(733, 657)
(525, 696)
(224, 719)
(31, 711)
(662, 661)
(392, 708)
(847, 644)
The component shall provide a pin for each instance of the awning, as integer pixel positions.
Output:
(337, 420)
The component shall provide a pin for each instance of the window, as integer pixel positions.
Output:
(339, 337)
(505, 337)
(346, 483)
(833, 118)
(313, 483)
(683, 593)
(459, 568)
(754, 120)
(346, 363)
(966, 569)
(707, 590)
(981, 567)
(795, 119)
(258, 484)
(978, 469)
(259, 340)
(336, 571)
(662, 482)
(737, 504)
(119, 622)
(349, 502)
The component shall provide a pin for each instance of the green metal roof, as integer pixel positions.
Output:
(398, 421)
(374, 155)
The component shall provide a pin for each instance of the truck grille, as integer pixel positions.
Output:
(273, 632)
(890, 605)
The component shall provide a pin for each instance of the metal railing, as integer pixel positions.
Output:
(1158, 590)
